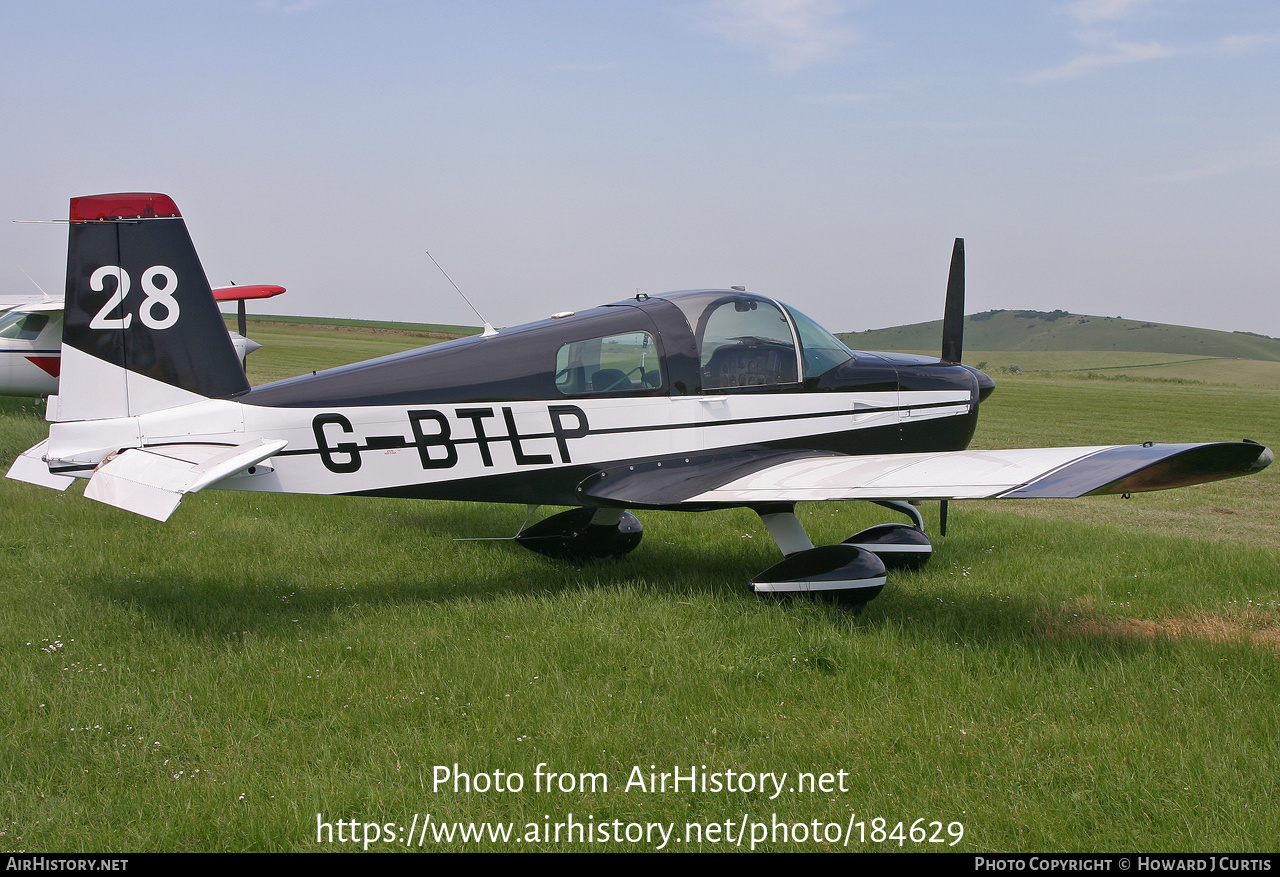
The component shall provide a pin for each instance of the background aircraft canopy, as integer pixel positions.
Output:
(23, 325)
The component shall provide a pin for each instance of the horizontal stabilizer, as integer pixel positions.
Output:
(152, 481)
(1021, 473)
(240, 293)
(31, 468)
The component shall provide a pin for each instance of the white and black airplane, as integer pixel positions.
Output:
(692, 400)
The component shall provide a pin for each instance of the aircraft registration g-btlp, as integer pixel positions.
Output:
(693, 400)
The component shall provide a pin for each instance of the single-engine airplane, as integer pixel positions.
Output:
(31, 338)
(692, 400)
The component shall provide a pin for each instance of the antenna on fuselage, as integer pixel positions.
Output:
(46, 295)
(953, 331)
(488, 327)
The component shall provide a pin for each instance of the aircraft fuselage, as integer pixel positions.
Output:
(542, 413)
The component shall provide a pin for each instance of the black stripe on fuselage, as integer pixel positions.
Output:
(388, 442)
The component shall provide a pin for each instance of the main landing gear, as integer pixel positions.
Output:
(851, 573)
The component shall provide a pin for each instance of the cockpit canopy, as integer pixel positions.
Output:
(746, 340)
(742, 342)
(678, 344)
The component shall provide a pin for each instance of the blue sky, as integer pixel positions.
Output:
(1115, 157)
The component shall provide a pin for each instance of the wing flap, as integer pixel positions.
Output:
(152, 481)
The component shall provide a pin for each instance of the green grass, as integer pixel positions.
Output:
(1090, 675)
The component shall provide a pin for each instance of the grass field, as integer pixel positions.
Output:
(1080, 676)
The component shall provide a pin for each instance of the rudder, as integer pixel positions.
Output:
(142, 330)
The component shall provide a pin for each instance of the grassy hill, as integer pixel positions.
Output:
(1006, 330)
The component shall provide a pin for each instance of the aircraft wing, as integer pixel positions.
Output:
(8, 302)
(152, 481)
(788, 477)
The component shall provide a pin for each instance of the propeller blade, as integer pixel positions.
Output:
(953, 331)
(953, 315)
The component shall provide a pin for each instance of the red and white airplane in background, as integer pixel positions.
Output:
(31, 338)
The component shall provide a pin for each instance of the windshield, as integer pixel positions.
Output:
(822, 351)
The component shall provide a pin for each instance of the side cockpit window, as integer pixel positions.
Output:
(746, 343)
(625, 363)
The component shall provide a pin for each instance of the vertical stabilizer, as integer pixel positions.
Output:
(142, 331)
